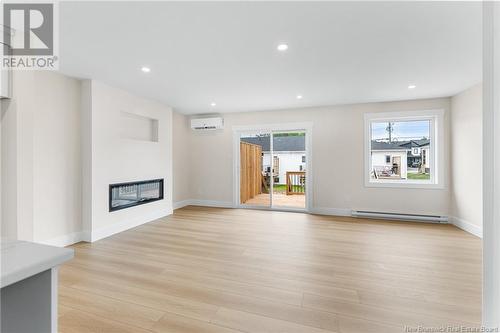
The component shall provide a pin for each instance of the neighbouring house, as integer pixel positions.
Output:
(289, 154)
(418, 154)
(399, 158)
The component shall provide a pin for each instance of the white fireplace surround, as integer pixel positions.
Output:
(110, 158)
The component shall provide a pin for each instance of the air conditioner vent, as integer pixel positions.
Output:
(205, 124)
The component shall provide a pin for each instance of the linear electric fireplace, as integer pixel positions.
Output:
(125, 195)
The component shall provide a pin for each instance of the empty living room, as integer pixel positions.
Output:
(250, 166)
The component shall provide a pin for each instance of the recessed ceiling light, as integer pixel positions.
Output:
(299, 96)
(282, 47)
(145, 69)
(213, 104)
(412, 86)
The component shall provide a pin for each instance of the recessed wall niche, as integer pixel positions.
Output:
(138, 127)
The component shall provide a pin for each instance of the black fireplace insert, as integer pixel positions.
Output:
(125, 195)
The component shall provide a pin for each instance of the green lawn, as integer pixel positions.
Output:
(420, 176)
(281, 188)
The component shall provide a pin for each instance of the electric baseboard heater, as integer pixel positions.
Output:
(400, 217)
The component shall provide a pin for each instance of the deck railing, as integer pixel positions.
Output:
(384, 171)
(295, 182)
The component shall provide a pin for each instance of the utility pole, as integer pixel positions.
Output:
(390, 128)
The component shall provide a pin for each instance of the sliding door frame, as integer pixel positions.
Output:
(270, 128)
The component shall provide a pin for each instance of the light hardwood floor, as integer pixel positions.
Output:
(231, 270)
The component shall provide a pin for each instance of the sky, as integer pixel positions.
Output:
(403, 130)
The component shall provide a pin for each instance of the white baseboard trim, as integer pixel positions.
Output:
(64, 240)
(204, 203)
(211, 203)
(75, 237)
(183, 203)
(331, 211)
(119, 227)
(466, 226)
(228, 204)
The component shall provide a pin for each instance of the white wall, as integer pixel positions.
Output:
(491, 164)
(9, 170)
(57, 161)
(338, 131)
(23, 106)
(2, 228)
(115, 159)
(182, 157)
(466, 198)
(40, 149)
(56, 157)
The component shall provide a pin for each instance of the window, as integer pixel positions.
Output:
(402, 149)
(303, 158)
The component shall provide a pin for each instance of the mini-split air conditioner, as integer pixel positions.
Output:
(204, 124)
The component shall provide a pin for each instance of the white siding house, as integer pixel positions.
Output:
(288, 153)
(288, 161)
(397, 159)
(387, 159)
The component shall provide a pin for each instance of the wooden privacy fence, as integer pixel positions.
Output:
(295, 182)
(250, 171)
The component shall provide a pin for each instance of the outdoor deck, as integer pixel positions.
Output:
(279, 199)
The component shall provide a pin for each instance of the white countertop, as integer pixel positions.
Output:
(20, 259)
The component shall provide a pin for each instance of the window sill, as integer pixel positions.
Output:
(407, 185)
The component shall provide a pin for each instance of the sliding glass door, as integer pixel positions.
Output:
(273, 169)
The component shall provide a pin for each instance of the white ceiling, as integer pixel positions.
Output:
(225, 52)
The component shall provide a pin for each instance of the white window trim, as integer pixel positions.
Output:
(436, 154)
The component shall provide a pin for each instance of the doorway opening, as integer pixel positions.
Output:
(273, 169)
